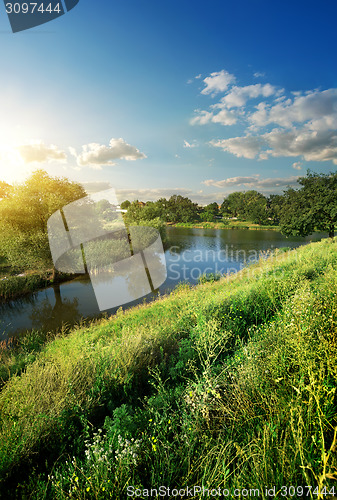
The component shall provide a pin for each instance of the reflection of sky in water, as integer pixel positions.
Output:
(195, 252)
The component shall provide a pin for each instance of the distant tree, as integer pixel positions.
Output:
(125, 204)
(181, 209)
(134, 212)
(313, 206)
(210, 212)
(274, 205)
(255, 207)
(233, 205)
(24, 214)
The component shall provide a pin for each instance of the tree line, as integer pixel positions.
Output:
(25, 209)
(298, 212)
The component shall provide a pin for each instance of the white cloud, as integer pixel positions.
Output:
(38, 152)
(259, 75)
(189, 145)
(243, 147)
(224, 117)
(95, 155)
(305, 124)
(238, 96)
(217, 82)
(202, 118)
(231, 181)
(312, 145)
(317, 108)
(254, 182)
(297, 165)
(150, 194)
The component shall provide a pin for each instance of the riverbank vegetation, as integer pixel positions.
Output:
(230, 384)
(26, 208)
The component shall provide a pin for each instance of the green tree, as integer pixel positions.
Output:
(181, 209)
(24, 214)
(233, 205)
(255, 207)
(274, 205)
(125, 204)
(312, 207)
(210, 212)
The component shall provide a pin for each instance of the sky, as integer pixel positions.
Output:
(160, 98)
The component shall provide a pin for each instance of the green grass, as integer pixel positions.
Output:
(230, 384)
(230, 224)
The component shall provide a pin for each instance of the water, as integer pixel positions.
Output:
(190, 253)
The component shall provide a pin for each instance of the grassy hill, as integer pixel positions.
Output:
(228, 385)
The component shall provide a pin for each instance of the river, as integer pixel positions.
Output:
(189, 253)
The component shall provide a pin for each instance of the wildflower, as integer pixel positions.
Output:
(154, 447)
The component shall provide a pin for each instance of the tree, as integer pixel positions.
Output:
(24, 214)
(254, 207)
(233, 205)
(274, 204)
(181, 209)
(125, 204)
(210, 212)
(312, 207)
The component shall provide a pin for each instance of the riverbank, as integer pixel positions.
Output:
(227, 385)
(232, 224)
(14, 286)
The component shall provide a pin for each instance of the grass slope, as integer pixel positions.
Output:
(227, 385)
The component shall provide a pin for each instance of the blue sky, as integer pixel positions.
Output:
(156, 98)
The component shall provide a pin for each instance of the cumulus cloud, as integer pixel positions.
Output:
(38, 152)
(150, 194)
(224, 117)
(258, 74)
(244, 147)
(311, 145)
(231, 181)
(303, 125)
(95, 155)
(297, 165)
(317, 108)
(238, 96)
(217, 82)
(189, 145)
(254, 182)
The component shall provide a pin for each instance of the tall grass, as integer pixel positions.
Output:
(230, 384)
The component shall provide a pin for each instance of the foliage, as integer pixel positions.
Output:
(313, 206)
(230, 384)
(125, 204)
(210, 212)
(24, 215)
(176, 209)
(249, 205)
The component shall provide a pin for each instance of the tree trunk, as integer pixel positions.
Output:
(55, 275)
(332, 231)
